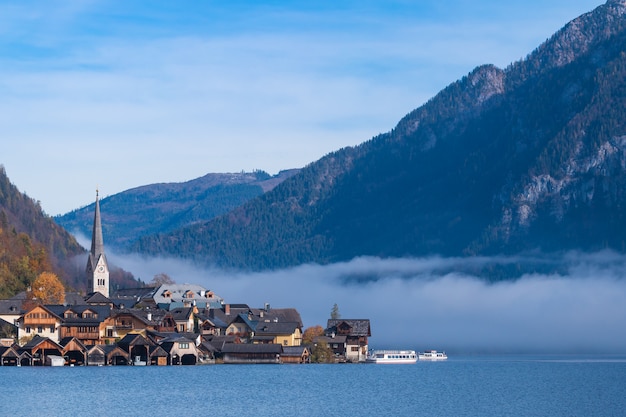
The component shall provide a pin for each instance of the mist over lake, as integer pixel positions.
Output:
(426, 303)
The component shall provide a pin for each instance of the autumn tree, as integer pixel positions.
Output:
(48, 289)
(162, 279)
(320, 351)
(311, 333)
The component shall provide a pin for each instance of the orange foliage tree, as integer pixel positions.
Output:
(48, 289)
(311, 333)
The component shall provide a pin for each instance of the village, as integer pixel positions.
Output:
(168, 324)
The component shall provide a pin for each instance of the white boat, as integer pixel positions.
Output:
(52, 360)
(432, 355)
(139, 362)
(392, 356)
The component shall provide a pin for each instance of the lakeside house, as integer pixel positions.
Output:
(105, 334)
(102, 336)
(347, 338)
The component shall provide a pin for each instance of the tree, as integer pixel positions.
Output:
(48, 289)
(7, 330)
(311, 333)
(334, 313)
(322, 353)
(162, 279)
(27, 338)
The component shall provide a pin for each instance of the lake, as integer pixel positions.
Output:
(509, 385)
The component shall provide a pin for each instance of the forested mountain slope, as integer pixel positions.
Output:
(161, 208)
(30, 241)
(501, 161)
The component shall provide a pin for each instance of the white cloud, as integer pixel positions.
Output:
(422, 303)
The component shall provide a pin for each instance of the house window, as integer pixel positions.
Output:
(354, 348)
(51, 329)
(183, 345)
(181, 327)
(39, 329)
(285, 343)
(27, 329)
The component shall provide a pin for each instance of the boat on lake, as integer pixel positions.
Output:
(52, 360)
(392, 356)
(139, 362)
(432, 355)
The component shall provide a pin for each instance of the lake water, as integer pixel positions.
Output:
(460, 386)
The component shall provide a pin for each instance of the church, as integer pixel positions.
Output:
(97, 267)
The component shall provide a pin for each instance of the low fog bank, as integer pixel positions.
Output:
(413, 304)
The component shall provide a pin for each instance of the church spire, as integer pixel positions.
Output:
(97, 242)
(97, 268)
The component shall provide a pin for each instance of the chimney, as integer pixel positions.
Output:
(227, 309)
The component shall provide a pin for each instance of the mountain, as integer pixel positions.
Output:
(159, 208)
(30, 241)
(504, 160)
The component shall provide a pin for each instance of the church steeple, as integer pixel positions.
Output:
(97, 268)
(97, 243)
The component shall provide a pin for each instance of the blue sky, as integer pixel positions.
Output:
(118, 94)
